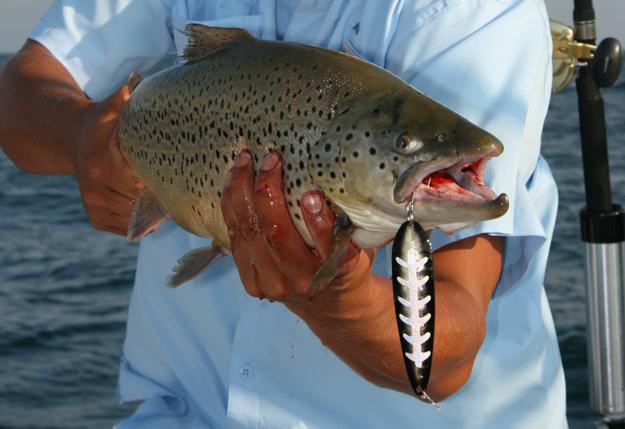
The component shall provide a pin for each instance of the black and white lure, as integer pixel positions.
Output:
(413, 291)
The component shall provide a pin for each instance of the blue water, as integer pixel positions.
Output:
(565, 275)
(64, 288)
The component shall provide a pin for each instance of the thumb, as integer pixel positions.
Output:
(117, 100)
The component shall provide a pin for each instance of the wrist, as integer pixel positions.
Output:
(352, 307)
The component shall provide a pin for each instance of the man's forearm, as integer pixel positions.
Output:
(365, 334)
(41, 109)
(369, 341)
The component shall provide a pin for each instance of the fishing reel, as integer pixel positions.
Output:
(568, 54)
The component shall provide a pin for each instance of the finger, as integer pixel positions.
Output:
(105, 198)
(103, 220)
(120, 204)
(117, 100)
(291, 253)
(126, 182)
(238, 193)
(112, 229)
(239, 248)
(319, 220)
(241, 189)
(246, 268)
(126, 191)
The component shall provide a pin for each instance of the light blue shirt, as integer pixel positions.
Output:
(206, 354)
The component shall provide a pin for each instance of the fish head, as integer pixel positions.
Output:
(385, 151)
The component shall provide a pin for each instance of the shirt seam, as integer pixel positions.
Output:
(52, 32)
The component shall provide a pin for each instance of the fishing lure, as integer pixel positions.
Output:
(413, 291)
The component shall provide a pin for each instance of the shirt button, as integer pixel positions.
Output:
(245, 372)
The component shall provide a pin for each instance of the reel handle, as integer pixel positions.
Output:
(607, 62)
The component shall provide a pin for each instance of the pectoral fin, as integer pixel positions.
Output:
(193, 263)
(146, 216)
(342, 232)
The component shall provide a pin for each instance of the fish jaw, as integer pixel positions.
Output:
(449, 193)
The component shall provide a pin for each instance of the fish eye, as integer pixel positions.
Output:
(407, 143)
(441, 137)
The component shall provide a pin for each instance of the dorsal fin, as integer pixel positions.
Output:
(203, 40)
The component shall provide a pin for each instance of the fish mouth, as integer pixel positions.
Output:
(460, 183)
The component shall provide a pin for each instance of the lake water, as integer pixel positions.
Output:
(64, 288)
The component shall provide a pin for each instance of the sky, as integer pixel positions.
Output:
(17, 17)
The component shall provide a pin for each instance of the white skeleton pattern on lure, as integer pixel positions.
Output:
(415, 284)
(413, 290)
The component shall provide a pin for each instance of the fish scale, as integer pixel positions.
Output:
(343, 126)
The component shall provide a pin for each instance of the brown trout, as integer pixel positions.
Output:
(343, 126)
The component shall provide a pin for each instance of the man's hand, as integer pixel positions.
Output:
(49, 126)
(355, 315)
(273, 260)
(106, 181)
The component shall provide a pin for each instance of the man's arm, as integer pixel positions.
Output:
(49, 126)
(355, 315)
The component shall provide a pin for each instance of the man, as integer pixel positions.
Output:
(210, 354)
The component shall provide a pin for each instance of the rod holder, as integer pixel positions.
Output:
(605, 285)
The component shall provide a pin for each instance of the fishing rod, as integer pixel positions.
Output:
(602, 222)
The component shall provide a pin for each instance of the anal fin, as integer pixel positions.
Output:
(146, 216)
(342, 233)
(193, 263)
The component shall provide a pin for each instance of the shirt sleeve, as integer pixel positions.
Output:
(101, 42)
(490, 61)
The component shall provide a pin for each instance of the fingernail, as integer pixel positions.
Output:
(243, 159)
(270, 161)
(312, 203)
